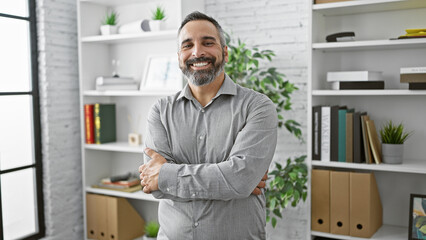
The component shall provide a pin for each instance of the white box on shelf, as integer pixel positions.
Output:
(354, 76)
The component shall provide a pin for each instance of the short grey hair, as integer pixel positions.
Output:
(194, 16)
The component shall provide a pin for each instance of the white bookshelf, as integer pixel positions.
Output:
(374, 22)
(96, 53)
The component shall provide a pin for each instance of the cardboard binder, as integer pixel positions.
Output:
(320, 207)
(339, 202)
(111, 218)
(365, 205)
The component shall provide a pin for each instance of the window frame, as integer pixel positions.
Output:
(37, 165)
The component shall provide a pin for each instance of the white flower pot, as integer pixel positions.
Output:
(108, 29)
(392, 153)
(156, 25)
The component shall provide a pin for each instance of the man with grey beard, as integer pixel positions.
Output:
(209, 146)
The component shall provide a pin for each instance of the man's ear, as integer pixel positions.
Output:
(225, 53)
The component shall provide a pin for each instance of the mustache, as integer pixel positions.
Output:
(200, 59)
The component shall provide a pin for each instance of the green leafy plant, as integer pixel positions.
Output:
(158, 14)
(110, 18)
(394, 134)
(151, 229)
(288, 185)
(243, 68)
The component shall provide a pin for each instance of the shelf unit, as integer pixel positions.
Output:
(96, 53)
(375, 23)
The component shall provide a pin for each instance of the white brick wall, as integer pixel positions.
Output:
(59, 103)
(279, 25)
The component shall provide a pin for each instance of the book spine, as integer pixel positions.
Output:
(316, 133)
(334, 137)
(325, 134)
(342, 135)
(97, 123)
(413, 70)
(349, 137)
(413, 78)
(355, 85)
(88, 120)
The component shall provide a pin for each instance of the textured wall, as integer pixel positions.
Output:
(282, 26)
(60, 122)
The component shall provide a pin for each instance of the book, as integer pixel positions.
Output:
(375, 144)
(325, 136)
(342, 135)
(103, 80)
(358, 148)
(89, 123)
(105, 127)
(409, 70)
(354, 76)
(417, 86)
(117, 87)
(130, 189)
(413, 78)
(365, 138)
(329, 1)
(349, 136)
(334, 143)
(316, 133)
(357, 85)
(126, 183)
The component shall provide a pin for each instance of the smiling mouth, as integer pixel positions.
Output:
(200, 64)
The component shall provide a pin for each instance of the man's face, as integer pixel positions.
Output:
(201, 56)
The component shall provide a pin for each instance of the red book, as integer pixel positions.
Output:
(89, 123)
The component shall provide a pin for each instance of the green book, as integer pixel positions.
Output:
(105, 127)
(342, 133)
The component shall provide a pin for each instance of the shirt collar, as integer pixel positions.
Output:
(228, 88)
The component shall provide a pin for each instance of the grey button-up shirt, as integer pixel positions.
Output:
(216, 156)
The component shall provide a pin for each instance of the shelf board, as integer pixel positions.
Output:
(365, 6)
(370, 44)
(114, 2)
(135, 195)
(115, 147)
(129, 93)
(120, 38)
(384, 233)
(408, 166)
(385, 92)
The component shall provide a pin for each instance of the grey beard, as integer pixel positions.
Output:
(203, 77)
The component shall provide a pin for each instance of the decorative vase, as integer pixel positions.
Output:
(392, 153)
(108, 29)
(156, 25)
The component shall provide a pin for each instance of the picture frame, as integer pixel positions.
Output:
(417, 218)
(162, 73)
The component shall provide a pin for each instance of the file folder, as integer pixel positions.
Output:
(320, 206)
(92, 229)
(339, 202)
(365, 205)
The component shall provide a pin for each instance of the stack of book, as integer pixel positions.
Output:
(132, 184)
(415, 77)
(115, 83)
(354, 80)
(344, 135)
(99, 121)
(414, 33)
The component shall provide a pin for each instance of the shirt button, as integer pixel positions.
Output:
(201, 137)
(202, 110)
(193, 194)
(196, 224)
(167, 189)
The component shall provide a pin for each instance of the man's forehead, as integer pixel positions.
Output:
(198, 29)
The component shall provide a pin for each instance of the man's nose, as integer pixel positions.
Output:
(198, 50)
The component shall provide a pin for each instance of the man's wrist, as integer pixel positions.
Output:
(168, 178)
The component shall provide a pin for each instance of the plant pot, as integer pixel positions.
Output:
(156, 25)
(108, 29)
(392, 153)
(149, 238)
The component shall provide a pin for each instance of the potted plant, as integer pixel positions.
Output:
(151, 230)
(288, 184)
(393, 138)
(109, 24)
(157, 19)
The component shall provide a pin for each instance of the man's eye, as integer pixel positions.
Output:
(209, 43)
(186, 46)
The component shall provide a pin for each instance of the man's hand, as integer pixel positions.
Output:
(149, 171)
(258, 189)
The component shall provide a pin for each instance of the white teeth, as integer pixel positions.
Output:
(200, 64)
